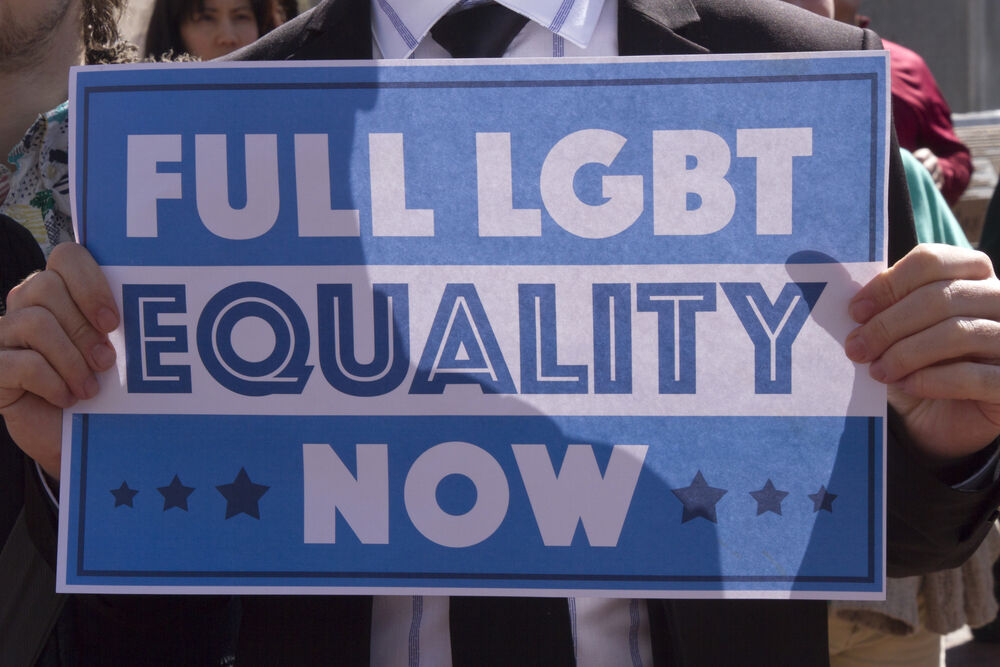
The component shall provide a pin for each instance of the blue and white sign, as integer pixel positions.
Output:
(521, 327)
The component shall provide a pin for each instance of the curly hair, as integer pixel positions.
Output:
(101, 38)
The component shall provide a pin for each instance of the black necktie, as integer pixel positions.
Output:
(484, 31)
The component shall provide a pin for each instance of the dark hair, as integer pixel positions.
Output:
(101, 39)
(290, 8)
(163, 36)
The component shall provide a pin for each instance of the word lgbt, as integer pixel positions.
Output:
(684, 163)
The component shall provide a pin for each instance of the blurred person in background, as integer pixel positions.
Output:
(285, 10)
(207, 29)
(921, 114)
(39, 41)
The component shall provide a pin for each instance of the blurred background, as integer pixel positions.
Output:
(958, 40)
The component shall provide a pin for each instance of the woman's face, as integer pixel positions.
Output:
(224, 26)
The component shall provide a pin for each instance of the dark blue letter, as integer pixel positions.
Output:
(676, 305)
(284, 371)
(337, 351)
(146, 339)
(461, 347)
(773, 328)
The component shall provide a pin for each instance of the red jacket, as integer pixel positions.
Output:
(923, 118)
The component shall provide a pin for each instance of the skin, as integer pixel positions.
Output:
(39, 41)
(929, 327)
(223, 27)
(846, 10)
(930, 330)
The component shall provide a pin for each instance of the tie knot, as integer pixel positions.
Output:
(483, 31)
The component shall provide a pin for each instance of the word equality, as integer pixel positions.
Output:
(684, 162)
(461, 346)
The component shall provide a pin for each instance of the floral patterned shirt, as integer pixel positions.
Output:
(35, 192)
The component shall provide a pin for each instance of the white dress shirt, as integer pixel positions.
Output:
(411, 631)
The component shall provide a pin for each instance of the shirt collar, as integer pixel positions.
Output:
(400, 25)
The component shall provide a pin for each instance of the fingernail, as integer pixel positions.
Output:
(103, 355)
(862, 310)
(107, 320)
(855, 348)
(877, 371)
(90, 387)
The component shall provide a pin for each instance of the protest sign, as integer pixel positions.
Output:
(509, 328)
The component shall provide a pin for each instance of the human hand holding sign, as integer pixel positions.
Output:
(929, 328)
(52, 341)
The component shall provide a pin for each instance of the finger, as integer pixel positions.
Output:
(48, 291)
(87, 285)
(36, 427)
(26, 371)
(922, 309)
(926, 263)
(961, 380)
(35, 328)
(955, 340)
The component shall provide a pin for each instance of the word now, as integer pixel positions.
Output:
(460, 347)
(684, 162)
(559, 502)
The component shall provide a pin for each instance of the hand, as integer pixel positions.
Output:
(52, 341)
(932, 164)
(929, 327)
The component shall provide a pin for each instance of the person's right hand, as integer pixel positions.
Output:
(52, 341)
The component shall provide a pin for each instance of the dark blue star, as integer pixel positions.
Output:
(699, 499)
(175, 495)
(124, 495)
(822, 499)
(769, 499)
(242, 495)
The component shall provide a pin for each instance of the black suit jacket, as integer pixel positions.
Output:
(713, 632)
(930, 526)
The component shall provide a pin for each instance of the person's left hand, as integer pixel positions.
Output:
(929, 327)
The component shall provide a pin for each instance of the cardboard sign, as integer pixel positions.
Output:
(523, 327)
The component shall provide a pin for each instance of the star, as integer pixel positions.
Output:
(769, 499)
(822, 499)
(124, 495)
(175, 495)
(242, 495)
(699, 499)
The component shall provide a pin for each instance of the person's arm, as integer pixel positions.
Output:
(41, 358)
(924, 119)
(919, 541)
(930, 331)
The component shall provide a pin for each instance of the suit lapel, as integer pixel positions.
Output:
(337, 30)
(658, 27)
